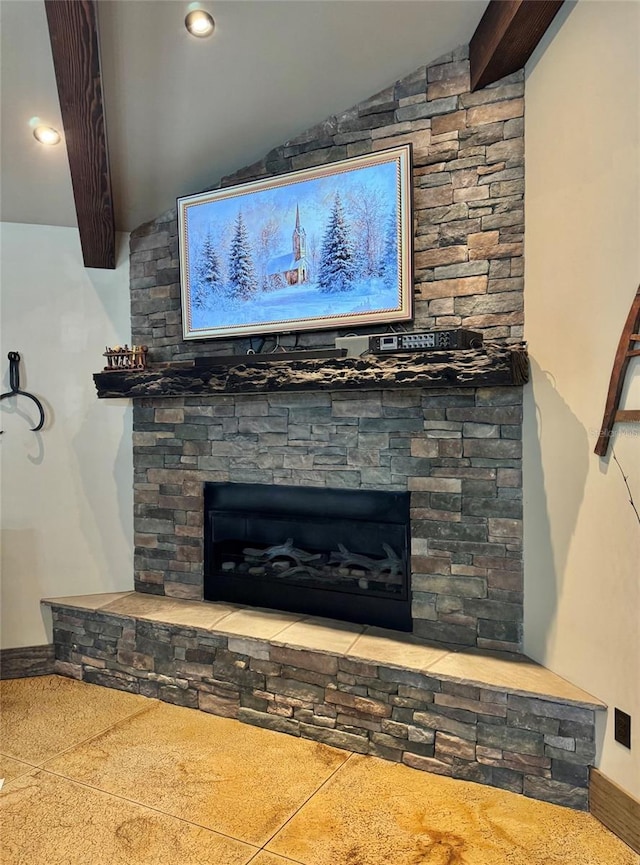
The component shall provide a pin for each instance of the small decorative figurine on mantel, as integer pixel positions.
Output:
(124, 359)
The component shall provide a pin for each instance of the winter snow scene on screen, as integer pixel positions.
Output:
(327, 247)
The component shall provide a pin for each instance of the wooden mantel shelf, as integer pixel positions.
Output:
(494, 365)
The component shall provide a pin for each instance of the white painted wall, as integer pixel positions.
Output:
(66, 492)
(582, 253)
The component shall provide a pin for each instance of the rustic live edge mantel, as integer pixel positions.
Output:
(494, 365)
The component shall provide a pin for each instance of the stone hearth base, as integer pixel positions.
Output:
(508, 723)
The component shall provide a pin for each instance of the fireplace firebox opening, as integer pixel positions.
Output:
(343, 554)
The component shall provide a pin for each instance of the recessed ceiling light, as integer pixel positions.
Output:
(199, 23)
(46, 135)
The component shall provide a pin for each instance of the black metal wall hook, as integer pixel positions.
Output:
(14, 382)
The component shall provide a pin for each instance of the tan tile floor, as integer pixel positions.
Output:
(95, 776)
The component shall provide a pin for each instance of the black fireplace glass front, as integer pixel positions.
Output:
(327, 552)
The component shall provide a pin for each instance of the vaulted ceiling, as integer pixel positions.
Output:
(181, 112)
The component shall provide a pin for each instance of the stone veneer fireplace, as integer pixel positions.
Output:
(444, 435)
(455, 450)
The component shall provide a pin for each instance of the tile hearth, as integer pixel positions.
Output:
(498, 720)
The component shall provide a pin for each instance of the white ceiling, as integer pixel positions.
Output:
(182, 112)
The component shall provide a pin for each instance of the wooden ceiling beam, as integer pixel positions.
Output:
(73, 31)
(506, 37)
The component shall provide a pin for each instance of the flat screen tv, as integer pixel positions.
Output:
(326, 247)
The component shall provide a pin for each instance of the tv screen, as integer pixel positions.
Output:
(327, 247)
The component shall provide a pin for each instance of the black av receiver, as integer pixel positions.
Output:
(430, 340)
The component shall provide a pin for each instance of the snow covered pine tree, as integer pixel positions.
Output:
(209, 277)
(389, 263)
(242, 278)
(336, 271)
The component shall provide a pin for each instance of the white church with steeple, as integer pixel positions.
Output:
(291, 268)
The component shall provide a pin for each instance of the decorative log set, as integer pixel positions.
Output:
(284, 560)
(392, 563)
(286, 550)
(493, 365)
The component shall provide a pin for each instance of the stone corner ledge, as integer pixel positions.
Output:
(414, 674)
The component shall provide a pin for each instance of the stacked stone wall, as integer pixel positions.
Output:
(457, 451)
(468, 206)
(539, 747)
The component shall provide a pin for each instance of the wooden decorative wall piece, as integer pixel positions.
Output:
(493, 365)
(626, 350)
